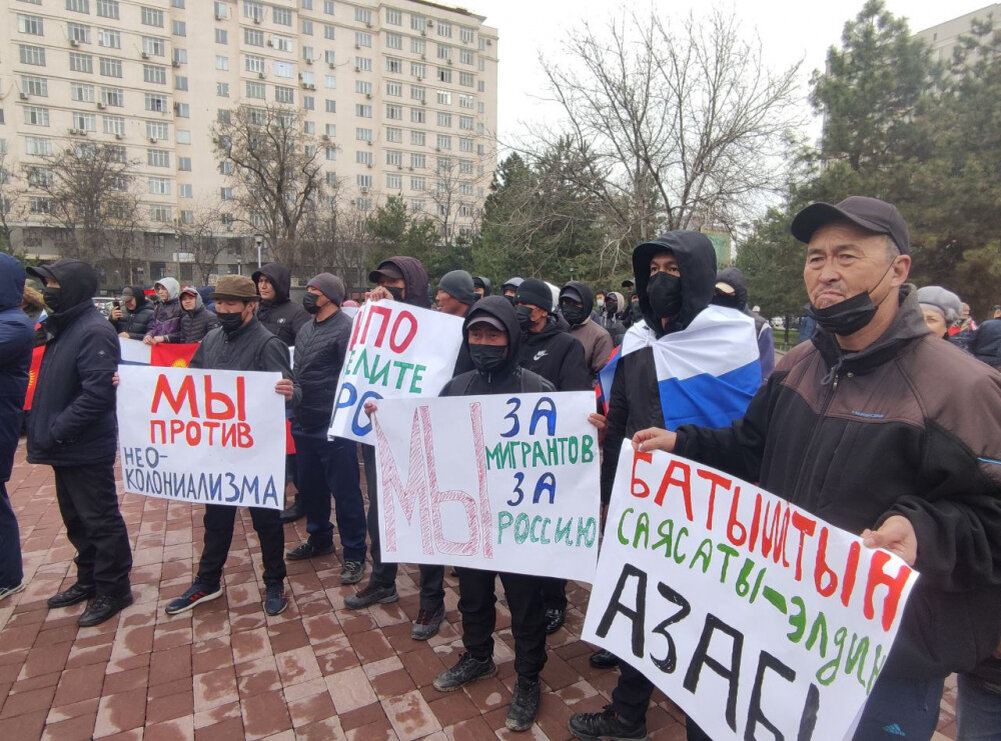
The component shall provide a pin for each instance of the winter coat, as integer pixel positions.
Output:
(136, 322)
(166, 319)
(510, 378)
(986, 344)
(195, 324)
(72, 420)
(556, 356)
(281, 317)
(612, 320)
(320, 349)
(250, 348)
(908, 426)
(17, 338)
(416, 279)
(595, 339)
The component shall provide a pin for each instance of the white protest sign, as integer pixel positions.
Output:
(507, 482)
(755, 617)
(396, 351)
(202, 436)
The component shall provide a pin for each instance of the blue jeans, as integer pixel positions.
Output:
(11, 572)
(324, 468)
(978, 712)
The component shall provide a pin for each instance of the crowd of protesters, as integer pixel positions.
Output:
(900, 383)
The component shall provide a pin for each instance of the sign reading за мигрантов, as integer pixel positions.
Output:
(506, 482)
(755, 617)
(202, 436)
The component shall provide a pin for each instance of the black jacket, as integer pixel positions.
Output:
(72, 420)
(17, 338)
(416, 279)
(195, 324)
(908, 426)
(320, 349)
(697, 262)
(556, 356)
(136, 322)
(281, 317)
(986, 343)
(511, 378)
(250, 348)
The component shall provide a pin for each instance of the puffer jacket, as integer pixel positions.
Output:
(556, 356)
(166, 319)
(908, 426)
(250, 348)
(612, 320)
(195, 324)
(595, 339)
(136, 323)
(17, 338)
(320, 349)
(281, 317)
(72, 420)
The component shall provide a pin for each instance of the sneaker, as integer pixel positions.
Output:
(554, 620)
(307, 550)
(427, 623)
(524, 705)
(6, 592)
(352, 572)
(606, 725)
(465, 671)
(603, 659)
(292, 513)
(371, 595)
(195, 595)
(103, 607)
(274, 599)
(77, 593)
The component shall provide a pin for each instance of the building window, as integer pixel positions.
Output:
(107, 8)
(330, 130)
(178, 28)
(78, 6)
(82, 93)
(363, 64)
(283, 69)
(365, 88)
(160, 214)
(466, 79)
(444, 75)
(109, 38)
(153, 47)
(394, 89)
(394, 135)
(444, 30)
(253, 37)
(284, 94)
(222, 89)
(183, 137)
(363, 39)
(180, 82)
(254, 64)
(444, 97)
(151, 17)
(256, 90)
(417, 116)
(363, 111)
(418, 205)
(32, 85)
(330, 106)
(394, 112)
(154, 73)
(29, 54)
(282, 16)
(364, 157)
(221, 36)
(444, 52)
(154, 102)
(418, 92)
(394, 41)
(418, 161)
(31, 24)
(444, 141)
(81, 62)
(37, 145)
(418, 70)
(184, 164)
(363, 15)
(253, 10)
(328, 32)
(39, 205)
(307, 28)
(113, 125)
(466, 35)
(465, 56)
(364, 135)
(35, 116)
(158, 158)
(394, 181)
(417, 139)
(394, 157)
(466, 123)
(394, 17)
(417, 23)
(283, 43)
(113, 96)
(444, 119)
(329, 82)
(157, 130)
(84, 121)
(159, 186)
(185, 191)
(418, 46)
(418, 183)
(465, 167)
(394, 66)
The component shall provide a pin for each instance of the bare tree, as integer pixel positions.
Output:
(200, 236)
(682, 126)
(12, 201)
(90, 196)
(276, 171)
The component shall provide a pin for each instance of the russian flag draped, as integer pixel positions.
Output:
(706, 373)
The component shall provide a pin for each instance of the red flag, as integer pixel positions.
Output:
(173, 355)
(36, 363)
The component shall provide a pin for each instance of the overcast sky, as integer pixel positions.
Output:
(790, 30)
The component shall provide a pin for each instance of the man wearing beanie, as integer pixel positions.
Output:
(548, 350)
(325, 467)
(576, 304)
(456, 293)
(940, 307)
(239, 343)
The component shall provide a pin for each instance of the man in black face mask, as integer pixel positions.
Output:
(887, 432)
(575, 305)
(325, 467)
(240, 343)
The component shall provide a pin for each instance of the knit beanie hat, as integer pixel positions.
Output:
(941, 300)
(459, 285)
(534, 292)
(329, 285)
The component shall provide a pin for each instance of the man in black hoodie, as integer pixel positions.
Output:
(492, 336)
(133, 314)
(549, 350)
(401, 279)
(576, 304)
(72, 427)
(281, 317)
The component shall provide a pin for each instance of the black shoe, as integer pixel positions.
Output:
(102, 608)
(75, 594)
(465, 671)
(427, 623)
(307, 550)
(292, 513)
(524, 705)
(194, 595)
(604, 660)
(274, 599)
(371, 595)
(554, 620)
(606, 725)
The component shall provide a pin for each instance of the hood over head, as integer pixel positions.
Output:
(499, 309)
(583, 294)
(514, 283)
(414, 276)
(697, 262)
(280, 278)
(735, 279)
(139, 293)
(483, 282)
(192, 291)
(78, 280)
(12, 278)
(620, 301)
(172, 286)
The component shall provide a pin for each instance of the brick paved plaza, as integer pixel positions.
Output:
(226, 671)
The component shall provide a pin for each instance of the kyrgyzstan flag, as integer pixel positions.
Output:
(36, 363)
(172, 355)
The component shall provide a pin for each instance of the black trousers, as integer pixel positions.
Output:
(88, 502)
(554, 593)
(219, 520)
(384, 574)
(477, 600)
(11, 572)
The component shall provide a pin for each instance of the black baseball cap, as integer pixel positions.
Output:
(871, 214)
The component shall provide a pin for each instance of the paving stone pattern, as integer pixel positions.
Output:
(227, 671)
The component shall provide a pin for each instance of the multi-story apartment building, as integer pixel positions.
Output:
(399, 95)
(942, 38)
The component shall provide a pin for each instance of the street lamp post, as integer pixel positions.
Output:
(259, 242)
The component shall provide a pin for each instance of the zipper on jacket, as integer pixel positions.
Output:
(807, 455)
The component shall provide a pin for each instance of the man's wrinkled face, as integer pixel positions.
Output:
(265, 288)
(844, 260)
